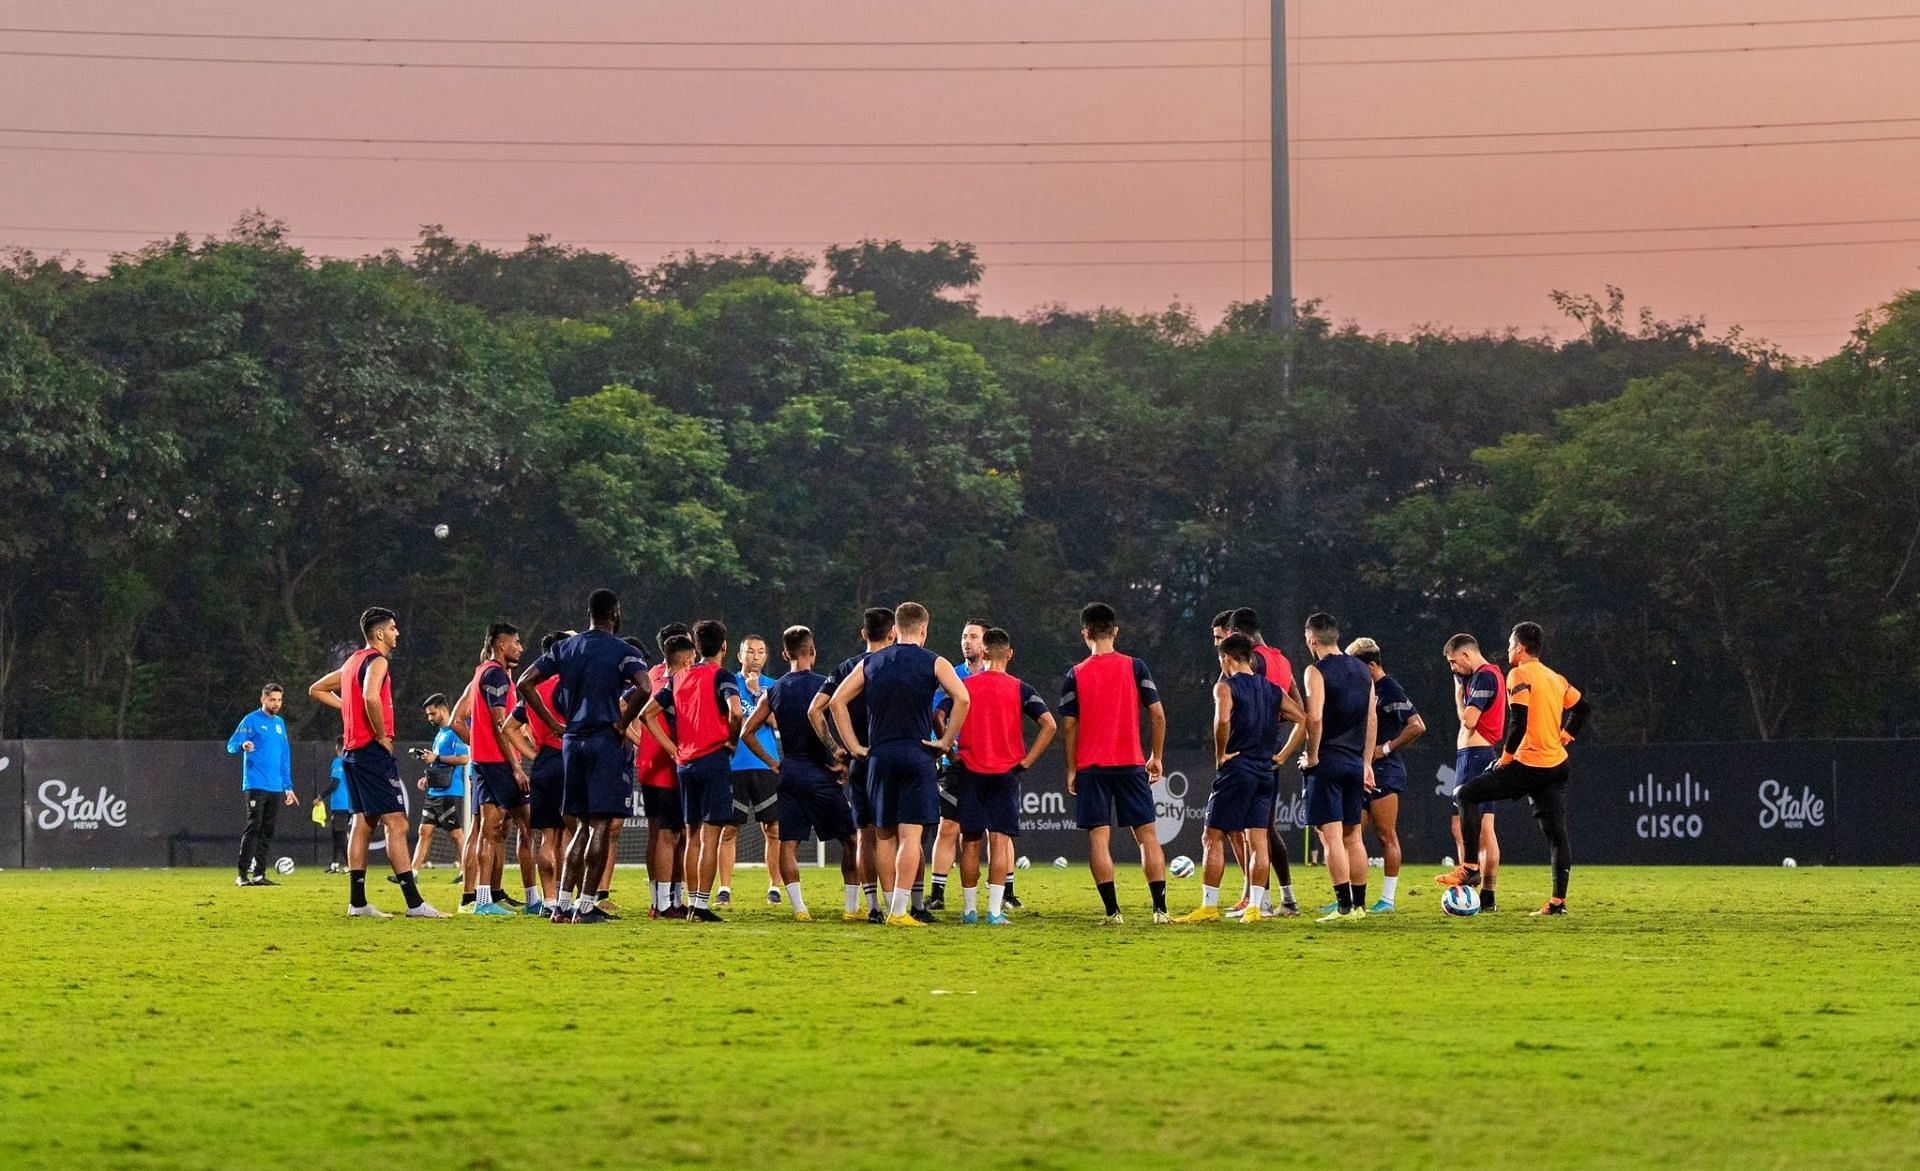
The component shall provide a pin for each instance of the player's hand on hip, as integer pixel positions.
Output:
(941, 746)
(246, 746)
(1221, 761)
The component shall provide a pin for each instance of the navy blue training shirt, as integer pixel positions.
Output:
(899, 691)
(1253, 728)
(595, 670)
(789, 697)
(857, 710)
(1349, 697)
(1394, 707)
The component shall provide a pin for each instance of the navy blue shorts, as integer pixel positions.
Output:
(661, 804)
(905, 784)
(549, 779)
(859, 795)
(598, 775)
(1117, 795)
(1242, 797)
(989, 802)
(755, 795)
(1469, 763)
(497, 786)
(953, 776)
(810, 802)
(1389, 779)
(706, 788)
(373, 781)
(1335, 788)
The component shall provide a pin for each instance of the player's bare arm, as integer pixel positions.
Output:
(852, 686)
(1222, 722)
(1048, 727)
(326, 690)
(754, 723)
(949, 680)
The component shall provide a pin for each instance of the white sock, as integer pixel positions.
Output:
(793, 896)
(970, 897)
(1209, 896)
(699, 898)
(772, 886)
(1388, 886)
(566, 900)
(996, 897)
(1286, 896)
(679, 894)
(727, 891)
(897, 903)
(1264, 899)
(533, 894)
(584, 903)
(483, 895)
(852, 890)
(662, 895)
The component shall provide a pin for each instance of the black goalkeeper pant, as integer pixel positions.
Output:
(1545, 788)
(263, 809)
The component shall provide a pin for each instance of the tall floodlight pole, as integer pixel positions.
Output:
(1282, 309)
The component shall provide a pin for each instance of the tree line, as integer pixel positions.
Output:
(218, 451)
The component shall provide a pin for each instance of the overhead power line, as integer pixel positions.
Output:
(564, 162)
(1077, 67)
(813, 43)
(1020, 144)
(567, 239)
(1240, 159)
(1353, 259)
(1427, 35)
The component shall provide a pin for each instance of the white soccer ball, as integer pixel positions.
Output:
(284, 865)
(1181, 867)
(440, 531)
(1788, 863)
(1059, 863)
(1460, 900)
(1447, 861)
(1023, 863)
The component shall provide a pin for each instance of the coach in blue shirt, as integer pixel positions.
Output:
(266, 775)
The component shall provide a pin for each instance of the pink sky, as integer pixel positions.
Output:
(1804, 298)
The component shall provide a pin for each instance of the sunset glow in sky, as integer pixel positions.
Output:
(1152, 188)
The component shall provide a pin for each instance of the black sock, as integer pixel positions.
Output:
(1360, 895)
(357, 888)
(466, 898)
(411, 890)
(940, 883)
(1486, 899)
(1009, 886)
(600, 896)
(1560, 876)
(1159, 890)
(1110, 900)
(1343, 896)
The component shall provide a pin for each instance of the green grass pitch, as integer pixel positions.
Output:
(1681, 1018)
